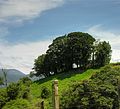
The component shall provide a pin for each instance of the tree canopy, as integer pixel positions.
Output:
(103, 54)
(75, 48)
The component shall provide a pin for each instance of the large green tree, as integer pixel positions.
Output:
(69, 49)
(39, 66)
(76, 48)
(55, 56)
(103, 54)
(80, 48)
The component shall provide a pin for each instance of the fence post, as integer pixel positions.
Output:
(55, 94)
(42, 104)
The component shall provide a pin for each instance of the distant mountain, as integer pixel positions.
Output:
(13, 75)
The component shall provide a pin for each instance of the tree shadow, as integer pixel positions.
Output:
(61, 76)
(69, 74)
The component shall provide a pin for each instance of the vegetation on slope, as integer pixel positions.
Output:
(101, 91)
(34, 94)
(13, 92)
(92, 88)
(76, 48)
(65, 80)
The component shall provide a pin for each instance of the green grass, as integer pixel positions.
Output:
(65, 79)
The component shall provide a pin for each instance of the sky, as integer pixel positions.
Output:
(27, 27)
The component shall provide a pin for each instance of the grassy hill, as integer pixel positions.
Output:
(65, 79)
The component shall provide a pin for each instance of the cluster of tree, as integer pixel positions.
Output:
(76, 48)
(14, 91)
(101, 92)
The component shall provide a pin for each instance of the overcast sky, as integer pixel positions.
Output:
(27, 27)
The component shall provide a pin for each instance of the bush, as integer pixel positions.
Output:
(3, 97)
(101, 92)
(26, 81)
(18, 90)
(24, 87)
(24, 91)
(45, 93)
(13, 91)
(17, 104)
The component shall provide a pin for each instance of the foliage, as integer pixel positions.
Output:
(103, 54)
(24, 91)
(76, 48)
(20, 90)
(41, 63)
(17, 104)
(115, 64)
(99, 85)
(31, 74)
(12, 91)
(55, 57)
(24, 87)
(25, 81)
(3, 97)
(101, 92)
(65, 79)
(45, 93)
(80, 48)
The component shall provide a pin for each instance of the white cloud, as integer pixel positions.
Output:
(21, 10)
(21, 56)
(115, 55)
(114, 39)
(15, 13)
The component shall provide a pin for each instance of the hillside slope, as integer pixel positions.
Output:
(65, 80)
(103, 78)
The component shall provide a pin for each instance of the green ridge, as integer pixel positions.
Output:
(65, 79)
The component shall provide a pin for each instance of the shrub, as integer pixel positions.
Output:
(45, 93)
(24, 91)
(17, 104)
(101, 92)
(3, 97)
(26, 81)
(12, 91)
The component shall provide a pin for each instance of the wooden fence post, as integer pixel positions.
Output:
(42, 104)
(55, 94)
